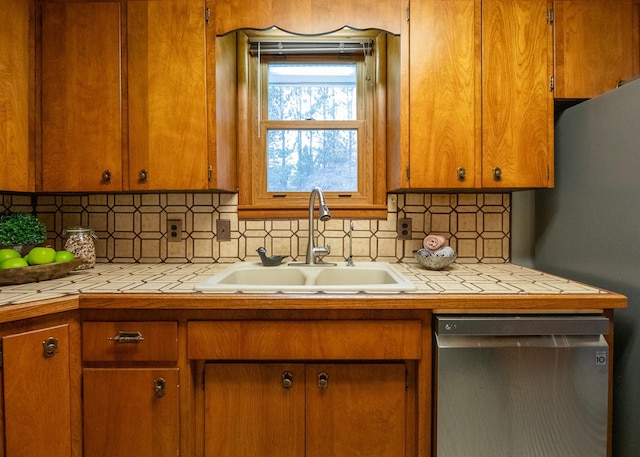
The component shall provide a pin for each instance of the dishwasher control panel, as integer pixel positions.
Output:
(497, 325)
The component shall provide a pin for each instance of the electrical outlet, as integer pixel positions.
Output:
(404, 229)
(223, 229)
(175, 230)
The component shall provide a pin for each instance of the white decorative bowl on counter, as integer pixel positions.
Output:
(435, 260)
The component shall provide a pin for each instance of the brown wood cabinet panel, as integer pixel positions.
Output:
(597, 45)
(124, 416)
(517, 107)
(445, 94)
(223, 109)
(81, 97)
(16, 96)
(304, 340)
(37, 394)
(167, 95)
(309, 17)
(158, 341)
(249, 412)
(361, 411)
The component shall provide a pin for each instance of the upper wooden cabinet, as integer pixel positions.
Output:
(597, 46)
(167, 95)
(444, 107)
(480, 106)
(124, 97)
(517, 102)
(16, 99)
(81, 97)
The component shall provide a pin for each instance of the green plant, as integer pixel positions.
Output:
(21, 228)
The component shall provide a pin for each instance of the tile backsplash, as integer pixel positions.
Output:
(133, 227)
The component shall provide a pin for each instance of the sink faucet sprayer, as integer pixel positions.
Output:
(350, 259)
(315, 253)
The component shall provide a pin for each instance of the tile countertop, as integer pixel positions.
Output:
(458, 279)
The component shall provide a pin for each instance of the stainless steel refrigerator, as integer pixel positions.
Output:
(588, 229)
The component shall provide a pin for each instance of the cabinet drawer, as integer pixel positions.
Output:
(130, 341)
(304, 340)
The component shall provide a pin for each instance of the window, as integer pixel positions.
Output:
(310, 112)
(300, 149)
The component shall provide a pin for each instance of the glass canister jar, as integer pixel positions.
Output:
(80, 243)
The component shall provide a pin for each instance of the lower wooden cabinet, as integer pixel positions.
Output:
(131, 411)
(36, 386)
(131, 395)
(312, 409)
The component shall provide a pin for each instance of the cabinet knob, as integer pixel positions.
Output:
(462, 173)
(49, 347)
(106, 177)
(323, 380)
(497, 174)
(287, 379)
(159, 387)
(143, 176)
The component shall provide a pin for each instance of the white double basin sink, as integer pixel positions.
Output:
(250, 277)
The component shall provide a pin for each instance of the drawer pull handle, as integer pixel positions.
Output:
(159, 387)
(323, 380)
(49, 347)
(127, 337)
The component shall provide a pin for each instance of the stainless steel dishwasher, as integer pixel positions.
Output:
(521, 386)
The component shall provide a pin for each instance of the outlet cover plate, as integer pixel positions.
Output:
(174, 230)
(404, 229)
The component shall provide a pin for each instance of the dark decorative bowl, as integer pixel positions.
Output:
(36, 273)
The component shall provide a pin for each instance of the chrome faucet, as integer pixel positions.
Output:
(315, 253)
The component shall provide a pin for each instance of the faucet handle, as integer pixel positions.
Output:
(321, 251)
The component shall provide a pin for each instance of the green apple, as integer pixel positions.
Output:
(41, 256)
(8, 253)
(63, 256)
(15, 262)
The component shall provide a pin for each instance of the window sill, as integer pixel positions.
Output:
(271, 213)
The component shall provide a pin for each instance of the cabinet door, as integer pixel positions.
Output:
(596, 45)
(131, 411)
(356, 409)
(81, 103)
(445, 93)
(16, 150)
(517, 105)
(252, 410)
(37, 397)
(166, 95)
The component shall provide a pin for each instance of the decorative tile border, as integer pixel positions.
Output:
(133, 227)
